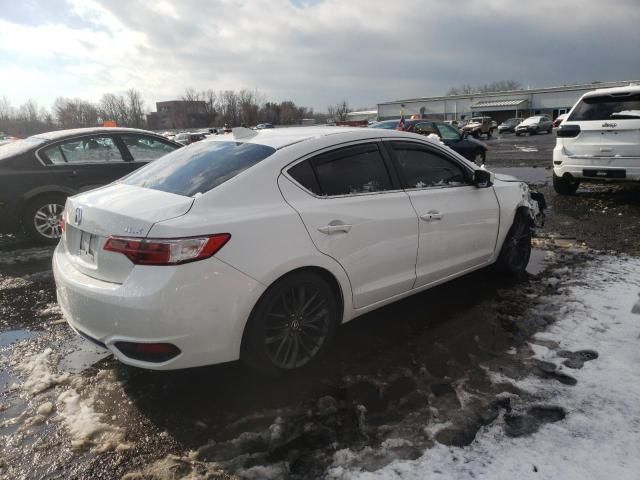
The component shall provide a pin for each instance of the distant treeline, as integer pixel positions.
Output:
(128, 110)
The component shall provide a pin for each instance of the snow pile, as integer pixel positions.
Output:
(600, 436)
(39, 374)
(85, 426)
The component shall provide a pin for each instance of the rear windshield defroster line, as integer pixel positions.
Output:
(198, 168)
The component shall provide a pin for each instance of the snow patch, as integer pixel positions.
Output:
(40, 376)
(85, 425)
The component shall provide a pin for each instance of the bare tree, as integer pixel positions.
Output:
(339, 111)
(135, 108)
(496, 86)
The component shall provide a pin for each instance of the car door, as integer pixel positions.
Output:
(458, 221)
(86, 162)
(356, 213)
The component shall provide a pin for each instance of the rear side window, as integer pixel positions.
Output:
(145, 149)
(199, 167)
(351, 170)
(607, 107)
(84, 150)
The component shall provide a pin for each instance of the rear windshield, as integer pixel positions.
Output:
(19, 147)
(607, 107)
(199, 167)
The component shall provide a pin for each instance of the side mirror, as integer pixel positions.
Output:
(482, 178)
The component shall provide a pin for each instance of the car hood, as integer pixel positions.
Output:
(478, 142)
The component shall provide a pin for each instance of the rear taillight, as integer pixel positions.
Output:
(568, 130)
(61, 224)
(173, 251)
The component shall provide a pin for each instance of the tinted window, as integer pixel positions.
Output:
(352, 170)
(423, 168)
(85, 150)
(607, 107)
(146, 149)
(199, 167)
(424, 128)
(447, 132)
(303, 173)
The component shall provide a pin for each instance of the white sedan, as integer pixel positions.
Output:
(257, 245)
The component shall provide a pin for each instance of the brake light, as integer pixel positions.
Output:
(171, 251)
(61, 224)
(568, 131)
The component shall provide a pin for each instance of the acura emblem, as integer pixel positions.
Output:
(78, 216)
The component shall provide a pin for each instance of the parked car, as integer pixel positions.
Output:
(170, 267)
(189, 138)
(479, 126)
(559, 119)
(453, 123)
(262, 126)
(599, 140)
(509, 125)
(534, 125)
(470, 148)
(38, 173)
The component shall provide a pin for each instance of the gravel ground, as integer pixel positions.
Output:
(398, 380)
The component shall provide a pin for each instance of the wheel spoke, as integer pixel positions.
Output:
(275, 338)
(303, 310)
(40, 215)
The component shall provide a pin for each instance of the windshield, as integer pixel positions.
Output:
(477, 119)
(199, 167)
(18, 147)
(512, 121)
(607, 107)
(530, 120)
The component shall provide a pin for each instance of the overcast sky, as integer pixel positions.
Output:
(312, 52)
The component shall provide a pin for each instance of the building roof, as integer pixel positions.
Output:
(499, 103)
(563, 88)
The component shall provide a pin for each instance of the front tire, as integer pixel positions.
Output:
(516, 249)
(41, 219)
(563, 186)
(291, 325)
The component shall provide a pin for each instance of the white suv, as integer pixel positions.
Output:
(599, 140)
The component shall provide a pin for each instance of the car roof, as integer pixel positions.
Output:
(58, 134)
(279, 138)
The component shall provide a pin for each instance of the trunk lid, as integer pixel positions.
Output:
(114, 210)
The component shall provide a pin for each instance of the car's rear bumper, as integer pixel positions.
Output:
(595, 168)
(200, 307)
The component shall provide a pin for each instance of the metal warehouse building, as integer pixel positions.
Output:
(499, 105)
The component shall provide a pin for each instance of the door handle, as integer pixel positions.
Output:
(431, 215)
(331, 229)
(72, 173)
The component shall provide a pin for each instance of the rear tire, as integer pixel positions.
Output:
(291, 325)
(563, 186)
(516, 249)
(41, 219)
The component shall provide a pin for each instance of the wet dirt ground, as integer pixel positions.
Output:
(395, 382)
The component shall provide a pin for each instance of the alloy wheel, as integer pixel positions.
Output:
(296, 326)
(47, 220)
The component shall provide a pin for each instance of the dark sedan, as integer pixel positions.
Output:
(509, 125)
(470, 148)
(38, 173)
